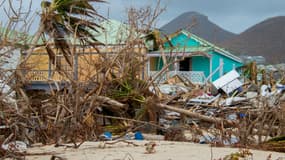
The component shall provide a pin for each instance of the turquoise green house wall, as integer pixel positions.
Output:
(200, 63)
(229, 64)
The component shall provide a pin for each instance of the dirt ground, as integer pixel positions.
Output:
(164, 150)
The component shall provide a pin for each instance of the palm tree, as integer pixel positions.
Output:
(62, 19)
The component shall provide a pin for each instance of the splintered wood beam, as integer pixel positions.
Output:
(197, 115)
(110, 101)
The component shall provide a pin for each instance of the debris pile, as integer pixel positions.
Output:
(228, 111)
(117, 100)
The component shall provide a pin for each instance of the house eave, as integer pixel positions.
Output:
(215, 48)
(179, 54)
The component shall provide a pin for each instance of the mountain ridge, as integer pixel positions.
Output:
(266, 38)
(198, 24)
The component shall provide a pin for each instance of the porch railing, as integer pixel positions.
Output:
(195, 77)
(43, 75)
(36, 75)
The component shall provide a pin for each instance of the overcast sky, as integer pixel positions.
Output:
(232, 15)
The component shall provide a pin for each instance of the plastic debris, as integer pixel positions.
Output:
(106, 136)
(16, 146)
(138, 136)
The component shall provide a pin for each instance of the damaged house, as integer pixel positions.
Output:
(86, 61)
(193, 58)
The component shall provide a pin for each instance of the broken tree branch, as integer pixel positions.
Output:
(197, 115)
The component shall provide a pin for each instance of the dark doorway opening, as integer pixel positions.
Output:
(185, 65)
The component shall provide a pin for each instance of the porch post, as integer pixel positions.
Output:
(221, 67)
(175, 65)
(148, 66)
(211, 68)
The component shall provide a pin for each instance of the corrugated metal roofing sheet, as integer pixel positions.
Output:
(228, 82)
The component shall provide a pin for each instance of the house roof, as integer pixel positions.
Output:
(113, 32)
(216, 48)
(205, 44)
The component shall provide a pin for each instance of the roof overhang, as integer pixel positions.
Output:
(221, 51)
(179, 54)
